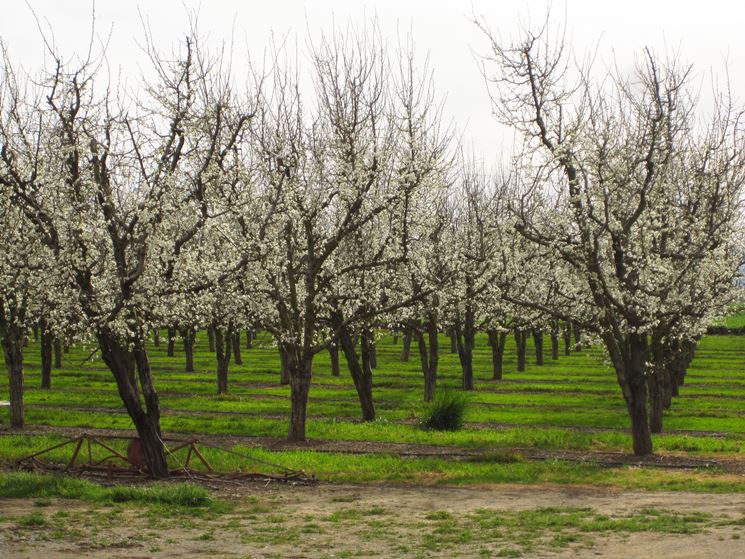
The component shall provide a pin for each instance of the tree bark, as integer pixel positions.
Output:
(429, 358)
(222, 353)
(171, 349)
(299, 367)
(538, 346)
(284, 373)
(555, 340)
(211, 339)
(122, 363)
(57, 349)
(453, 342)
(11, 337)
(464, 337)
(521, 345)
(630, 368)
(249, 339)
(334, 357)
(406, 351)
(187, 334)
(359, 368)
(497, 341)
(567, 338)
(46, 356)
(235, 339)
(577, 337)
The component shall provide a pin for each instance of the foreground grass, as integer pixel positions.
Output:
(175, 497)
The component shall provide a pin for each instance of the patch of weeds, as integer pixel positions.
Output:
(33, 520)
(439, 515)
(42, 502)
(509, 552)
(446, 413)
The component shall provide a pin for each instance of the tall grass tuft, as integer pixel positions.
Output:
(445, 413)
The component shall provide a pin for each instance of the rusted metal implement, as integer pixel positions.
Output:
(96, 456)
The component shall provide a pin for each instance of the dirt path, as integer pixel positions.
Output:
(388, 521)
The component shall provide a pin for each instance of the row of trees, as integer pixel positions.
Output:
(323, 209)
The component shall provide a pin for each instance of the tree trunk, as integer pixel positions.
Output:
(521, 338)
(187, 334)
(567, 338)
(222, 353)
(156, 337)
(211, 339)
(334, 357)
(361, 372)
(497, 341)
(395, 338)
(122, 363)
(406, 351)
(429, 358)
(284, 373)
(11, 337)
(577, 337)
(171, 349)
(299, 367)
(555, 340)
(235, 338)
(57, 348)
(538, 345)
(46, 356)
(249, 339)
(453, 342)
(630, 371)
(464, 338)
(373, 350)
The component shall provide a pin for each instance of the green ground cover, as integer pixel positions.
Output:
(570, 403)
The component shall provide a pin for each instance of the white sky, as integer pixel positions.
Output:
(706, 33)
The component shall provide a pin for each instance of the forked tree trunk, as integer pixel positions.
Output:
(235, 339)
(464, 337)
(538, 346)
(630, 372)
(171, 348)
(497, 341)
(46, 356)
(57, 347)
(521, 338)
(122, 363)
(299, 367)
(11, 337)
(359, 368)
(429, 358)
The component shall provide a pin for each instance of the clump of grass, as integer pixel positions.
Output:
(446, 413)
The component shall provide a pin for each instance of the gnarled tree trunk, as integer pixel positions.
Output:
(11, 337)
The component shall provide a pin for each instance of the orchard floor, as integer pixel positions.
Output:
(335, 520)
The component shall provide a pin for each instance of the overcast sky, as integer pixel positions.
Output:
(706, 33)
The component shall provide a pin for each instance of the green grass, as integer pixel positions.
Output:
(572, 403)
(172, 496)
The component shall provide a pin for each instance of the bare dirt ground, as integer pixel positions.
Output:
(383, 521)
